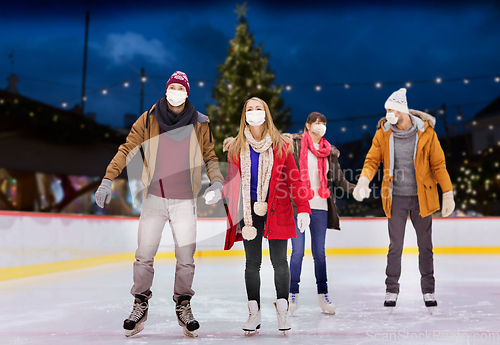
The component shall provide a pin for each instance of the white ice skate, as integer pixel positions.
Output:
(281, 306)
(253, 323)
(390, 301)
(326, 306)
(293, 302)
(186, 319)
(430, 302)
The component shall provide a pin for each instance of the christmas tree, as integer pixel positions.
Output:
(243, 75)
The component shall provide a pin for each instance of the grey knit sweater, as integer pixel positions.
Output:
(405, 182)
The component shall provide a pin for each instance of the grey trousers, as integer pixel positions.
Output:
(155, 212)
(401, 205)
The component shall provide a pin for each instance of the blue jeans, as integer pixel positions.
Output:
(319, 222)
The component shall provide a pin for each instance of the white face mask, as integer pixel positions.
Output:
(319, 129)
(256, 117)
(175, 97)
(391, 117)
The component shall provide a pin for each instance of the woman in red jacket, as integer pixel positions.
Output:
(262, 166)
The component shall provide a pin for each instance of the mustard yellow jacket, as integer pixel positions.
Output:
(430, 164)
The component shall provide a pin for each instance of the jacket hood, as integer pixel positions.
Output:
(226, 143)
(431, 120)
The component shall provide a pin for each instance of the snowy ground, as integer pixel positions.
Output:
(88, 306)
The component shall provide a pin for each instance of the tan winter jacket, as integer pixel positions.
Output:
(144, 138)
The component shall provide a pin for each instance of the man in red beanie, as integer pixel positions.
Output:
(174, 141)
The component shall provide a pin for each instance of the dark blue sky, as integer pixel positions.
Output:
(325, 43)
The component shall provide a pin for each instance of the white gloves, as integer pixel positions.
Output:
(103, 193)
(361, 191)
(303, 221)
(213, 193)
(448, 204)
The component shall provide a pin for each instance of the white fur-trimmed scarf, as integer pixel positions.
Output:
(266, 160)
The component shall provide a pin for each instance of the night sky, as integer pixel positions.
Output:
(309, 43)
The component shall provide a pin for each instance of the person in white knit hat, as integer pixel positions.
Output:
(414, 163)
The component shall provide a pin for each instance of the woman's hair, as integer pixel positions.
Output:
(313, 117)
(278, 140)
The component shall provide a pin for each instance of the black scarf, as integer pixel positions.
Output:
(169, 121)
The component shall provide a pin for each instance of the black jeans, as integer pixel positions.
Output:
(253, 255)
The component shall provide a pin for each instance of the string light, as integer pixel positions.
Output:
(318, 87)
(364, 126)
(459, 117)
(343, 129)
(490, 127)
(64, 104)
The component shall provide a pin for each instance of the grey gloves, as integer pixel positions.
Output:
(103, 193)
(213, 193)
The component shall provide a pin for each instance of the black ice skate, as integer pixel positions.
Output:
(430, 302)
(135, 322)
(186, 319)
(390, 299)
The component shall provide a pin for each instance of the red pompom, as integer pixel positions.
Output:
(324, 193)
(310, 194)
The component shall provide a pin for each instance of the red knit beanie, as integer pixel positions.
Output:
(179, 78)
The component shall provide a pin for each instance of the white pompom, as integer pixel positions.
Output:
(249, 233)
(260, 208)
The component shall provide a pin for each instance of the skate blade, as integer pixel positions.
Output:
(191, 334)
(330, 312)
(139, 327)
(431, 310)
(390, 310)
(250, 332)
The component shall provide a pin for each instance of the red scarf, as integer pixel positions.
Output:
(321, 154)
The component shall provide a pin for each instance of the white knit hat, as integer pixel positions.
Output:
(397, 101)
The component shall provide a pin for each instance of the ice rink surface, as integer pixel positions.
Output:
(88, 306)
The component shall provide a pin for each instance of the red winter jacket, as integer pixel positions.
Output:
(285, 183)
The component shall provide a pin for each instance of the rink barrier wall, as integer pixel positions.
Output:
(41, 243)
